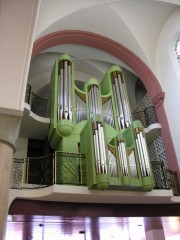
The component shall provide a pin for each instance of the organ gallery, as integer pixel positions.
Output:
(96, 121)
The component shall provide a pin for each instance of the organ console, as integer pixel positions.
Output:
(96, 121)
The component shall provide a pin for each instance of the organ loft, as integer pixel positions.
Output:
(96, 121)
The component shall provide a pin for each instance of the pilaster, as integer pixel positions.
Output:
(9, 131)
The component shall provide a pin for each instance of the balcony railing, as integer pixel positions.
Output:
(69, 168)
(39, 106)
(56, 168)
(147, 116)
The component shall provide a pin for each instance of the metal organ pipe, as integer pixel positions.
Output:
(142, 167)
(70, 91)
(118, 104)
(124, 100)
(123, 158)
(97, 152)
(108, 112)
(60, 92)
(98, 134)
(112, 164)
(77, 108)
(103, 148)
(98, 100)
(94, 100)
(65, 91)
(143, 153)
(80, 109)
(91, 103)
(100, 150)
(65, 105)
(122, 106)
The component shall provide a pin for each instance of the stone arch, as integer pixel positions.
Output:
(124, 54)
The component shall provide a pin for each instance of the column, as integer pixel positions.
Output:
(6, 153)
(154, 229)
(17, 30)
(9, 131)
(155, 234)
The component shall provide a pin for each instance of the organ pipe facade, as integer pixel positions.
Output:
(96, 121)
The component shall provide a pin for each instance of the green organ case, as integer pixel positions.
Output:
(96, 121)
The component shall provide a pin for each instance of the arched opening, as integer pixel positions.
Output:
(134, 62)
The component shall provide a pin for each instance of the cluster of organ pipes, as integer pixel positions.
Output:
(142, 153)
(94, 100)
(121, 102)
(112, 164)
(100, 148)
(122, 157)
(123, 161)
(65, 90)
(80, 109)
(108, 112)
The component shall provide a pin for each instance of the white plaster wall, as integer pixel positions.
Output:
(169, 75)
(17, 24)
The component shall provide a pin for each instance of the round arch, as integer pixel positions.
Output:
(106, 44)
(124, 54)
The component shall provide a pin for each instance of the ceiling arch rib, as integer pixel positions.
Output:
(100, 42)
(50, 12)
(87, 53)
(42, 65)
(101, 19)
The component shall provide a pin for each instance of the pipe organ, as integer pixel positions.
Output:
(96, 121)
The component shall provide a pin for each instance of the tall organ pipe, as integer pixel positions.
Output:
(112, 164)
(121, 101)
(103, 148)
(122, 158)
(94, 100)
(60, 91)
(141, 160)
(65, 106)
(100, 148)
(124, 100)
(65, 91)
(116, 92)
(143, 153)
(70, 91)
(97, 153)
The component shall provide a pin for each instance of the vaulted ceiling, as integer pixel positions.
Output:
(136, 24)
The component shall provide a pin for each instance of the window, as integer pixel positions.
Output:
(177, 49)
